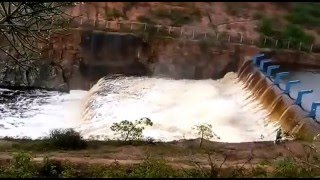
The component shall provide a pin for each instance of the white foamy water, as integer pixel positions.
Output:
(35, 113)
(174, 106)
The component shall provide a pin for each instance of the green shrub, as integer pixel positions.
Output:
(307, 14)
(293, 33)
(21, 166)
(51, 168)
(70, 171)
(129, 130)
(259, 172)
(66, 139)
(266, 27)
(286, 168)
(153, 168)
(115, 170)
(296, 34)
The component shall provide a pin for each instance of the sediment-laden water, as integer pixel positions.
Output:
(175, 107)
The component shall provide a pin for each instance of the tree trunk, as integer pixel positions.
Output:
(201, 140)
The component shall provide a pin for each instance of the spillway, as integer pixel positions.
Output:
(176, 106)
(245, 106)
(276, 96)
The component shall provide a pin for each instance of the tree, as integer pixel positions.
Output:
(130, 130)
(266, 27)
(205, 132)
(25, 30)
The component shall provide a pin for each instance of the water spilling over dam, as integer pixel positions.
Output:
(266, 82)
(245, 106)
(175, 106)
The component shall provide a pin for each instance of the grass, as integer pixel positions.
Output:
(22, 166)
(45, 145)
(153, 159)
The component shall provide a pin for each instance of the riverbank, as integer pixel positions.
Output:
(228, 159)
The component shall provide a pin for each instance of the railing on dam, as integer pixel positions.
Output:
(191, 33)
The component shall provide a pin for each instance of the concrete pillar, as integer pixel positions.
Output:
(313, 111)
(263, 63)
(279, 76)
(270, 68)
(257, 58)
(289, 84)
(300, 44)
(300, 94)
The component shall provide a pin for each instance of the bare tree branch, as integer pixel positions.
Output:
(26, 28)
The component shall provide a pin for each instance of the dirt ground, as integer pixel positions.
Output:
(180, 154)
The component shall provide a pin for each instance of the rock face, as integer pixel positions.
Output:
(101, 54)
(81, 58)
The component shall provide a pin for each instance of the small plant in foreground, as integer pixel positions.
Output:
(129, 130)
(21, 166)
(153, 168)
(51, 168)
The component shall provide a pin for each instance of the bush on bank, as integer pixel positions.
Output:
(66, 139)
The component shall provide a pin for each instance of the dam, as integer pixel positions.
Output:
(244, 106)
(296, 117)
(120, 77)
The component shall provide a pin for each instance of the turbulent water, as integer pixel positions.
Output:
(33, 113)
(175, 107)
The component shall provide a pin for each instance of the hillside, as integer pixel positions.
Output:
(295, 21)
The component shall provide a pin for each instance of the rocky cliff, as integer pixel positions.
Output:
(93, 55)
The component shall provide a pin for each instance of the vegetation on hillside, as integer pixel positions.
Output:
(306, 14)
(113, 14)
(178, 17)
(293, 34)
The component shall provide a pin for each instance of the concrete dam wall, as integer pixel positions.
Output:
(263, 78)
